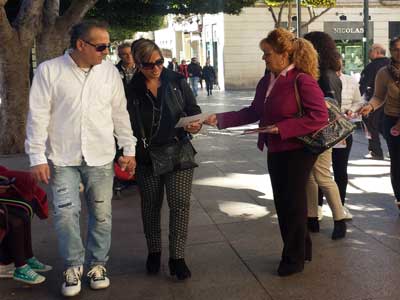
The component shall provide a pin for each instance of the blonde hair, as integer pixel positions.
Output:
(300, 51)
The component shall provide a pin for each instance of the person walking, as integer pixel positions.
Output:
(194, 71)
(158, 98)
(373, 122)
(387, 94)
(183, 69)
(329, 65)
(76, 104)
(209, 76)
(289, 60)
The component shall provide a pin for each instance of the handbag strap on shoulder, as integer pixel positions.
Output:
(297, 95)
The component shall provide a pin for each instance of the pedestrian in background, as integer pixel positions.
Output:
(387, 94)
(126, 65)
(173, 65)
(76, 105)
(373, 122)
(194, 71)
(183, 69)
(321, 180)
(275, 107)
(209, 76)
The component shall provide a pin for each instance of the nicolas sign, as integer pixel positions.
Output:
(347, 30)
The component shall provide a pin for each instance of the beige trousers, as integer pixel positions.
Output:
(321, 177)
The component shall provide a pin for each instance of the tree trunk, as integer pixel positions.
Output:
(14, 92)
(51, 43)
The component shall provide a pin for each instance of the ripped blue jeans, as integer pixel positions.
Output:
(97, 183)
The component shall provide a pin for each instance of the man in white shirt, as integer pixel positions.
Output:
(76, 107)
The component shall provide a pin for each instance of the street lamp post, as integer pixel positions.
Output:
(298, 21)
(366, 32)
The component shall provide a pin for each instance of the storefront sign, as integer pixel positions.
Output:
(348, 30)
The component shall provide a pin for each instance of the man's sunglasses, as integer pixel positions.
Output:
(99, 48)
(150, 66)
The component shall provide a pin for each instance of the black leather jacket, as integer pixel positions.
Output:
(157, 114)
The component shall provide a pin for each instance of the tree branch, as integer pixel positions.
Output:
(51, 12)
(280, 12)
(5, 27)
(75, 13)
(316, 17)
(273, 16)
(28, 20)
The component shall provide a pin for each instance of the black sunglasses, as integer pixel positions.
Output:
(150, 66)
(99, 48)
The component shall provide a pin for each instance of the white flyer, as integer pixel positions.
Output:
(196, 118)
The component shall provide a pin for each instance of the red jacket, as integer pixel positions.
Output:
(280, 109)
(183, 69)
(25, 193)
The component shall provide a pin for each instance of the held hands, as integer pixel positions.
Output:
(41, 173)
(211, 120)
(193, 127)
(127, 164)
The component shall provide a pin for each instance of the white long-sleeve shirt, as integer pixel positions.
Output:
(351, 97)
(73, 116)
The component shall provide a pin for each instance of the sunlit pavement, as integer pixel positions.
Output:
(234, 242)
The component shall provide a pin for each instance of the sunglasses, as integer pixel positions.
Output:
(99, 48)
(150, 66)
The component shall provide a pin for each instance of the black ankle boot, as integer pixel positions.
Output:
(153, 262)
(286, 269)
(339, 230)
(179, 268)
(313, 224)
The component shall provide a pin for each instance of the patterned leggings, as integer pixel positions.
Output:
(178, 186)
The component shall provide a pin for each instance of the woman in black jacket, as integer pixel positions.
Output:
(209, 77)
(158, 98)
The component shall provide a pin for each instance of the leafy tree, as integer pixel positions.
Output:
(46, 23)
(280, 5)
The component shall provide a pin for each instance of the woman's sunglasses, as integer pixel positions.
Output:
(98, 48)
(150, 66)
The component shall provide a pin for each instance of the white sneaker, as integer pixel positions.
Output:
(347, 214)
(98, 277)
(72, 281)
(7, 271)
(320, 213)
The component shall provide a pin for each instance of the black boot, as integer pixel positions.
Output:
(286, 269)
(153, 263)
(339, 230)
(179, 268)
(313, 224)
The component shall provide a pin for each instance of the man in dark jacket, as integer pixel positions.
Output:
(194, 71)
(367, 86)
(126, 65)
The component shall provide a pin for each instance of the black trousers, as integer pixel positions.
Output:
(17, 244)
(289, 172)
(374, 125)
(340, 160)
(209, 86)
(178, 187)
(394, 151)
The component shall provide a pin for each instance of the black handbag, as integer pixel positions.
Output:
(337, 129)
(174, 156)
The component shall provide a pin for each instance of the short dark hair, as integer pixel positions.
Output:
(81, 30)
(393, 41)
(124, 45)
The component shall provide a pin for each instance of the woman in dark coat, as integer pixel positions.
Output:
(158, 98)
(209, 77)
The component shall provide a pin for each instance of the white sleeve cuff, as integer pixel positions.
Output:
(37, 159)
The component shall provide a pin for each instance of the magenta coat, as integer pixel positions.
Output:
(280, 108)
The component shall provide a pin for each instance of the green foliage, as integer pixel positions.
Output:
(313, 3)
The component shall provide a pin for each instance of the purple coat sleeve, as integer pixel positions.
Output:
(314, 107)
(246, 115)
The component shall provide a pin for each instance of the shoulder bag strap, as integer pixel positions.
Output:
(297, 95)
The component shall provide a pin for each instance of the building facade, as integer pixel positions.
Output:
(232, 42)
